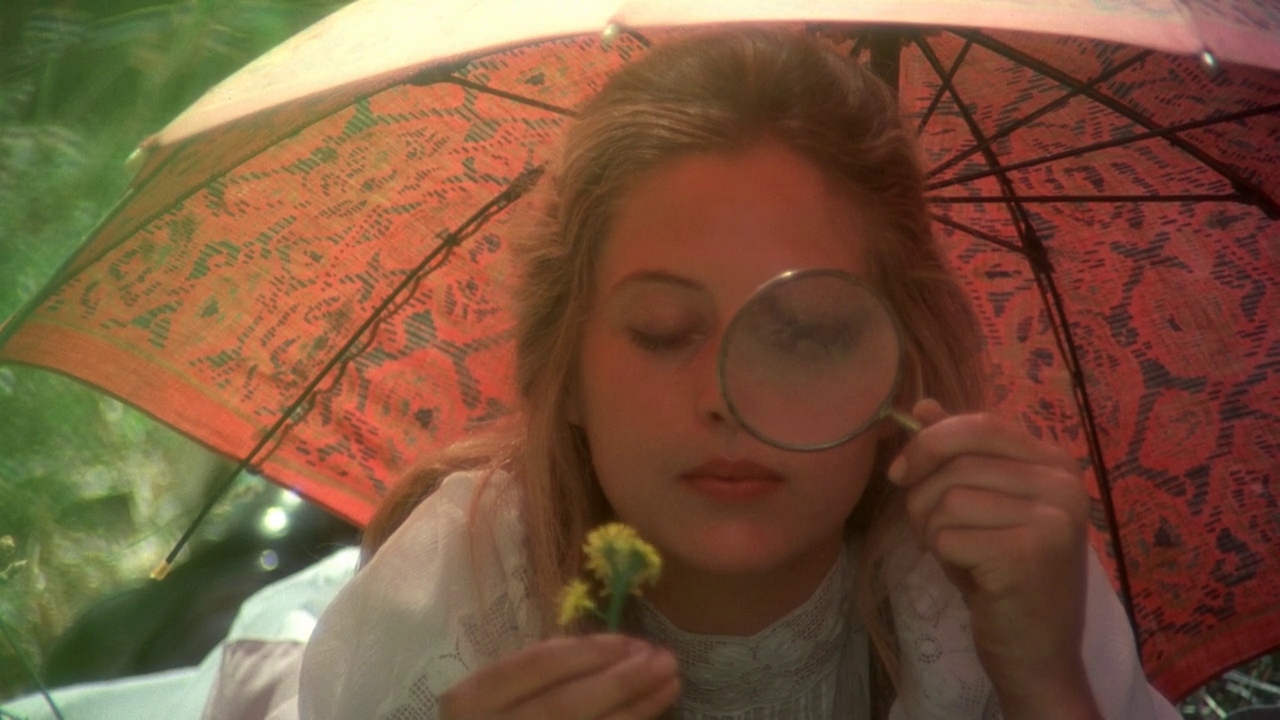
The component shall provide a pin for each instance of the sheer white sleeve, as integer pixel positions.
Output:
(1111, 656)
(436, 602)
(943, 678)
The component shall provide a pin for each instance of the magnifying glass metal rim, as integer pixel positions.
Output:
(886, 406)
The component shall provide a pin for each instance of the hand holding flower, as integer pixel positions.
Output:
(596, 676)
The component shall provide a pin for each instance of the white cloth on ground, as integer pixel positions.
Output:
(251, 673)
(259, 662)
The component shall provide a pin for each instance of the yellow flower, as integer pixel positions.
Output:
(650, 565)
(574, 601)
(620, 559)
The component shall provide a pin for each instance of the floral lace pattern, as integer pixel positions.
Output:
(805, 665)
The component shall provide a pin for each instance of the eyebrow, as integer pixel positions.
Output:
(658, 276)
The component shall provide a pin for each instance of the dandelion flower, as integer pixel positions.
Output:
(620, 559)
(575, 601)
(620, 562)
(650, 566)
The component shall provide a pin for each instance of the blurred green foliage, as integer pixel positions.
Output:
(93, 493)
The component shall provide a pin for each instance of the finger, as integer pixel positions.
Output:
(929, 411)
(651, 705)
(533, 670)
(968, 507)
(1049, 485)
(971, 434)
(1013, 550)
(969, 548)
(610, 690)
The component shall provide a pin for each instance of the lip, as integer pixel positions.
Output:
(733, 481)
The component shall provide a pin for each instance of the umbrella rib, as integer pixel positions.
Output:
(391, 305)
(367, 330)
(942, 89)
(859, 44)
(988, 152)
(885, 59)
(1247, 188)
(1042, 271)
(1105, 144)
(521, 99)
(342, 359)
(1074, 90)
(983, 199)
(980, 234)
(637, 36)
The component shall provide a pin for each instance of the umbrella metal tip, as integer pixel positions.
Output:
(161, 571)
(609, 34)
(140, 154)
(1210, 63)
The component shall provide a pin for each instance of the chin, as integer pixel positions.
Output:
(738, 548)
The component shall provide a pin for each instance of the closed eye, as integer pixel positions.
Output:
(662, 342)
(832, 337)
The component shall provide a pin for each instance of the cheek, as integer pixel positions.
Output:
(620, 386)
(619, 406)
(843, 473)
(603, 388)
(618, 413)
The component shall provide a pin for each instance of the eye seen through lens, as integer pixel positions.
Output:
(810, 360)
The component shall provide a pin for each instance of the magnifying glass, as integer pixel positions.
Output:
(811, 361)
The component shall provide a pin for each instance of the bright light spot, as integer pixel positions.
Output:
(290, 499)
(275, 520)
(298, 625)
(112, 410)
(269, 560)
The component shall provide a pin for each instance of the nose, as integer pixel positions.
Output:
(709, 403)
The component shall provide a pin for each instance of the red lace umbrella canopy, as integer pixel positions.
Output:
(317, 288)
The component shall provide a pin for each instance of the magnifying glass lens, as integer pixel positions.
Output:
(810, 361)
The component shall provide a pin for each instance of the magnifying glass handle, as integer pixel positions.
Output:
(909, 423)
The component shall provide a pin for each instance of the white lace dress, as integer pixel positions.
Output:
(418, 619)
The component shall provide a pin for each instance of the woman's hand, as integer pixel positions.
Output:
(1005, 514)
(598, 677)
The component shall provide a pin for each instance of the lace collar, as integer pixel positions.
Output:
(795, 668)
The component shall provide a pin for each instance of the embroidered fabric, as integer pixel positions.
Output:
(443, 598)
(437, 602)
(805, 665)
(940, 667)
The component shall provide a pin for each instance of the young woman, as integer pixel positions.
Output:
(952, 563)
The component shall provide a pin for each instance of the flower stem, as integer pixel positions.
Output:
(619, 588)
(613, 618)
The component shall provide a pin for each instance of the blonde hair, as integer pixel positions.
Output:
(720, 94)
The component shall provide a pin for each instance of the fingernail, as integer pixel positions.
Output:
(897, 469)
(638, 647)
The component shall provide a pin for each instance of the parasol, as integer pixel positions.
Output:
(307, 272)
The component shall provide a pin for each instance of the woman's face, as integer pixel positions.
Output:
(690, 242)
